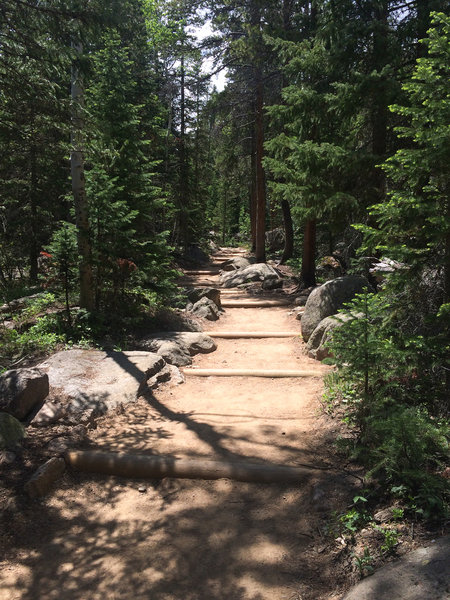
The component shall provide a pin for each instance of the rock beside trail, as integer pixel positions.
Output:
(177, 347)
(315, 348)
(233, 264)
(272, 282)
(85, 384)
(21, 390)
(19, 303)
(420, 575)
(252, 273)
(12, 431)
(197, 294)
(327, 299)
(206, 308)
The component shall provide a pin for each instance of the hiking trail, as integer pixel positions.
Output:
(180, 539)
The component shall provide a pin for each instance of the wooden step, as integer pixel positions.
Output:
(254, 303)
(157, 467)
(184, 281)
(206, 272)
(231, 335)
(250, 373)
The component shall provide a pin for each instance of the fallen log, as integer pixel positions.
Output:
(249, 373)
(157, 467)
(231, 335)
(43, 479)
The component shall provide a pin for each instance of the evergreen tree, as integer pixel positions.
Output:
(124, 202)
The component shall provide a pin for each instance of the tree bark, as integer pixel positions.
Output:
(33, 247)
(308, 272)
(260, 250)
(253, 190)
(79, 187)
(183, 181)
(380, 100)
(288, 232)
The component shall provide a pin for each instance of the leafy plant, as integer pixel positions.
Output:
(356, 517)
(390, 541)
(364, 562)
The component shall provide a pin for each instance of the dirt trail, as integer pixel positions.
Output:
(199, 540)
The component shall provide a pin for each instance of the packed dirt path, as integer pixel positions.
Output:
(97, 537)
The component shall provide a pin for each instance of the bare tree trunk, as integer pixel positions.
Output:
(79, 187)
(183, 192)
(308, 273)
(253, 189)
(288, 232)
(260, 250)
(380, 100)
(33, 242)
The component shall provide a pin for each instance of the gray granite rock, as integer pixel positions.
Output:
(327, 299)
(423, 574)
(21, 390)
(91, 382)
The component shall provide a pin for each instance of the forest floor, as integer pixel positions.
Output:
(95, 537)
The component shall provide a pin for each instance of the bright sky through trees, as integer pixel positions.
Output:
(218, 80)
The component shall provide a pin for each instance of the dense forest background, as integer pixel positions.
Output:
(119, 156)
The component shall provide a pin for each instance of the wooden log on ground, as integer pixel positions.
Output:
(157, 467)
(184, 281)
(208, 272)
(231, 335)
(250, 373)
(43, 479)
(254, 303)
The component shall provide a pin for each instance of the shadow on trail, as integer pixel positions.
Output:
(203, 431)
(99, 538)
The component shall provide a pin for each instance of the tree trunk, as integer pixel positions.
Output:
(79, 188)
(260, 250)
(308, 273)
(380, 100)
(288, 232)
(253, 190)
(33, 242)
(183, 192)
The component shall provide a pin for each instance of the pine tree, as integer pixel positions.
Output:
(124, 202)
(413, 224)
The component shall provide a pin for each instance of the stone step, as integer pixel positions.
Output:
(250, 373)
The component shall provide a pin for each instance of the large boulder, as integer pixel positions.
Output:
(252, 273)
(196, 294)
(21, 390)
(177, 347)
(12, 431)
(328, 299)
(88, 383)
(316, 348)
(206, 308)
(234, 264)
(423, 574)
